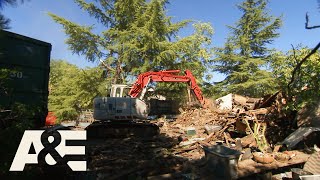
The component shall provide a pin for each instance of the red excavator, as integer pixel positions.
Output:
(125, 110)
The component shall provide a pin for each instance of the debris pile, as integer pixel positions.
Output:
(256, 127)
(250, 130)
(222, 125)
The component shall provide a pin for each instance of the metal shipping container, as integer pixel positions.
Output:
(24, 68)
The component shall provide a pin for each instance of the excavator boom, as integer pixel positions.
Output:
(166, 76)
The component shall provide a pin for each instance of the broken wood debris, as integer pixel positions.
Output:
(249, 121)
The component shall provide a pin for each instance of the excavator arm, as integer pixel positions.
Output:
(139, 87)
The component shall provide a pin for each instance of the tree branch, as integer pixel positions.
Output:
(105, 65)
(95, 12)
(294, 54)
(314, 50)
(307, 23)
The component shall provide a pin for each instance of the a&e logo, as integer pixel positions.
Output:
(51, 148)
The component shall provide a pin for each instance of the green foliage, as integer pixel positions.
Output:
(194, 52)
(306, 85)
(244, 57)
(138, 37)
(72, 89)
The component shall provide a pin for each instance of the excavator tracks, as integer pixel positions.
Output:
(102, 129)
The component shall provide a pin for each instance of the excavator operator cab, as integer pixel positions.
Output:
(120, 90)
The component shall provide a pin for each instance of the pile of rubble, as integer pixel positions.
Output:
(239, 137)
(224, 124)
(255, 127)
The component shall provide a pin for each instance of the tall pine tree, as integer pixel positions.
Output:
(138, 37)
(244, 57)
